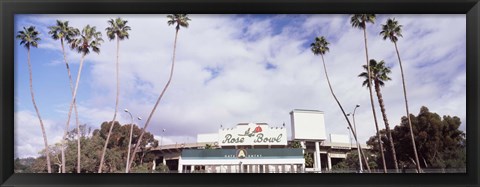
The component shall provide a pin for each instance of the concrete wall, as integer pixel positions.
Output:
(339, 138)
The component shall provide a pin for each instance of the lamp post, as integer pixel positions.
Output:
(161, 138)
(350, 133)
(358, 145)
(130, 141)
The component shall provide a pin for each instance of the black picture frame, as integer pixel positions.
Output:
(8, 8)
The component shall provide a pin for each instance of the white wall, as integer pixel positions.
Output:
(339, 138)
(244, 161)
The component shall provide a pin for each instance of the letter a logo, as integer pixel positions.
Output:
(241, 153)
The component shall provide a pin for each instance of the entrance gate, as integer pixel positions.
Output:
(281, 160)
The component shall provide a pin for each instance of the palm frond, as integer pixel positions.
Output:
(89, 39)
(181, 20)
(62, 31)
(320, 46)
(378, 72)
(117, 28)
(391, 30)
(360, 20)
(29, 37)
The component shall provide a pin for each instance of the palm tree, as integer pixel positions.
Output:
(392, 30)
(360, 21)
(180, 20)
(64, 32)
(118, 29)
(379, 75)
(320, 47)
(29, 37)
(89, 39)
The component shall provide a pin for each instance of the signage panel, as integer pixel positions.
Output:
(188, 154)
(308, 125)
(253, 134)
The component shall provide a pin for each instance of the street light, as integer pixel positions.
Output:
(350, 133)
(130, 141)
(161, 138)
(356, 139)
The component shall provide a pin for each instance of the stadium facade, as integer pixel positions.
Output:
(260, 148)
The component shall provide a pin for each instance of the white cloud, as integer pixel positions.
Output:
(242, 89)
(28, 139)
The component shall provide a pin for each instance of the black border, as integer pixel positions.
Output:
(10, 7)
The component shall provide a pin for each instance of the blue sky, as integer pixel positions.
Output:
(237, 68)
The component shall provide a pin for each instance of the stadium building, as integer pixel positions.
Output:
(260, 148)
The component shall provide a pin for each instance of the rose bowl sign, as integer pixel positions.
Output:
(252, 134)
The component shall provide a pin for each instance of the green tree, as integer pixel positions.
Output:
(208, 146)
(118, 145)
(162, 168)
(320, 47)
(17, 166)
(440, 143)
(392, 30)
(89, 155)
(89, 146)
(341, 166)
(379, 75)
(89, 39)
(308, 159)
(55, 155)
(61, 31)
(142, 168)
(118, 29)
(23, 165)
(295, 144)
(29, 38)
(92, 144)
(40, 165)
(307, 156)
(180, 20)
(360, 21)
(351, 161)
(70, 150)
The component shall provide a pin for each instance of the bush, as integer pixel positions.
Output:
(144, 168)
(162, 168)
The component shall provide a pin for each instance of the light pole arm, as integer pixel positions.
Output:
(358, 144)
(129, 142)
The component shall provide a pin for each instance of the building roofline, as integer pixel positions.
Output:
(306, 110)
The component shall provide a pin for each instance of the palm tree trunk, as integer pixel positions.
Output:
(371, 102)
(47, 151)
(59, 164)
(143, 156)
(70, 110)
(158, 101)
(78, 141)
(387, 125)
(341, 108)
(425, 162)
(408, 113)
(114, 115)
(74, 107)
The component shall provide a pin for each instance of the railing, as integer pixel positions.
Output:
(393, 171)
(426, 170)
